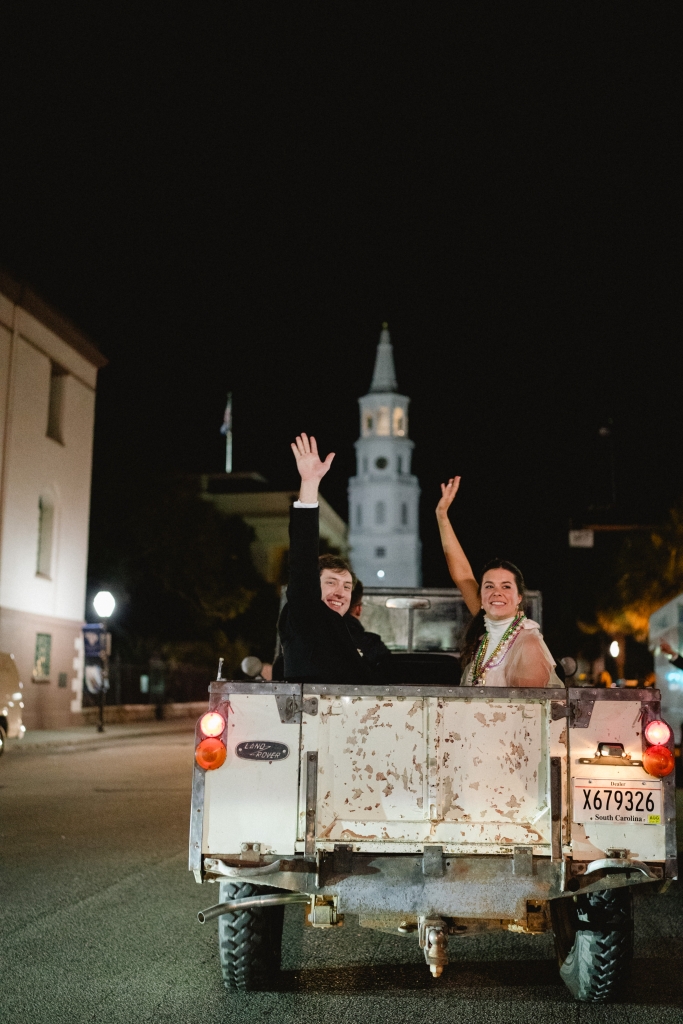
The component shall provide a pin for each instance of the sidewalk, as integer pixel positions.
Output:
(86, 737)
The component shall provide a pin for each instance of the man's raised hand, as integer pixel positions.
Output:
(311, 467)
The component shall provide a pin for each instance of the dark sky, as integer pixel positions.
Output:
(235, 196)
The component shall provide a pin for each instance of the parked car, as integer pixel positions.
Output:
(11, 701)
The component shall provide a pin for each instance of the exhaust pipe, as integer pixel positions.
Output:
(248, 902)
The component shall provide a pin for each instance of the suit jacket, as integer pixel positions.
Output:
(318, 643)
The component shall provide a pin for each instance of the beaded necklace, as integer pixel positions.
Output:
(479, 668)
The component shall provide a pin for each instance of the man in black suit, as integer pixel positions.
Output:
(318, 640)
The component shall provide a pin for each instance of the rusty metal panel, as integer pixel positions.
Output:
(396, 773)
(492, 771)
(373, 760)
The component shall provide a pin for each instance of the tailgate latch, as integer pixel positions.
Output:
(290, 706)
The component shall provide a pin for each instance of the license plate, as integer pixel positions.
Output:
(621, 801)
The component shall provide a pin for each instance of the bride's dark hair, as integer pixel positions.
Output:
(476, 628)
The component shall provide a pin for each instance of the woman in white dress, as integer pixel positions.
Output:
(502, 647)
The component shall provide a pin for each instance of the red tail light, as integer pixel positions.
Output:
(658, 760)
(212, 724)
(657, 732)
(210, 753)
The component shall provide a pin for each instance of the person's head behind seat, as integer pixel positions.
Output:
(336, 583)
(357, 600)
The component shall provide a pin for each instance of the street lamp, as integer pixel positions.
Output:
(614, 648)
(104, 604)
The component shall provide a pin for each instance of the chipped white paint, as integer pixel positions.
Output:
(395, 774)
(470, 774)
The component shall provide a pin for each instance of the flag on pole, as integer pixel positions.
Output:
(227, 416)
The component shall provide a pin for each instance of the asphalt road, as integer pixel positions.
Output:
(99, 921)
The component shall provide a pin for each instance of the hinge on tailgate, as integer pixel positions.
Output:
(577, 711)
(290, 706)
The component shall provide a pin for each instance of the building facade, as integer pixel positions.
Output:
(384, 496)
(48, 376)
(250, 496)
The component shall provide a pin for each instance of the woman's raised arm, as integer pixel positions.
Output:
(456, 559)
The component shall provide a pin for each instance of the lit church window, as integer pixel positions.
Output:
(383, 421)
(380, 513)
(399, 422)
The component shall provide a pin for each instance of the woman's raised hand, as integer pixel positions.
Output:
(448, 492)
(308, 462)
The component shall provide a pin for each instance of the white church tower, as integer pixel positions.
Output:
(383, 496)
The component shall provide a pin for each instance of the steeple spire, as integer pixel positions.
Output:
(384, 377)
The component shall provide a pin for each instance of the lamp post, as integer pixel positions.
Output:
(104, 605)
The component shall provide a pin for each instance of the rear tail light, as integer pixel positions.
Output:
(658, 760)
(212, 724)
(657, 733)
(210, 753)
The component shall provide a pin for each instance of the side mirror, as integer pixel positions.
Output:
(251, 666)
(570, 666)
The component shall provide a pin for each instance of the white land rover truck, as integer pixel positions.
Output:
(431, 810)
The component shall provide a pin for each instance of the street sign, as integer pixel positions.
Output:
(581, 538)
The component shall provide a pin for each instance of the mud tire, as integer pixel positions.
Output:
(250, 941)
(594, 942)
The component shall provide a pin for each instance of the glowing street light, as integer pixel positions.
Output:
(614, 648)
(104, 604)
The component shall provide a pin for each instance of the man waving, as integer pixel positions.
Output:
(314, 625)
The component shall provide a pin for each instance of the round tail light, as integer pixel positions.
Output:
(212, 724)
(210, 753)
(658, 761)
(657, 732)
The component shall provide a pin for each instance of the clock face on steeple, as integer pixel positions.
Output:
(381, 463)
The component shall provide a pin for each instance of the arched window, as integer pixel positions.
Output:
(399, 422)
(367, 423)
(46, 515)
(404, 514)
(380, 513)
(399, 465)
(359, 516)
(383, 421)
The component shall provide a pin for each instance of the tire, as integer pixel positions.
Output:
(3, 740)
(250, 941)
(594, 942)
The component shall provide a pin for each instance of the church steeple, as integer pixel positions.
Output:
(384, 377)
(384, 495)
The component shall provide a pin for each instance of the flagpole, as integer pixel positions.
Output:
(228, 436)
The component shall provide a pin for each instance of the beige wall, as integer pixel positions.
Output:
(34, 466)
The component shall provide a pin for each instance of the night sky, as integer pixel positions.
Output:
(235, 196)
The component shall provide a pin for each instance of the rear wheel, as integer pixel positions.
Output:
(250, 941)
(594, 942)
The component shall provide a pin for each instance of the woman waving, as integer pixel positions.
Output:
(502, 647)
